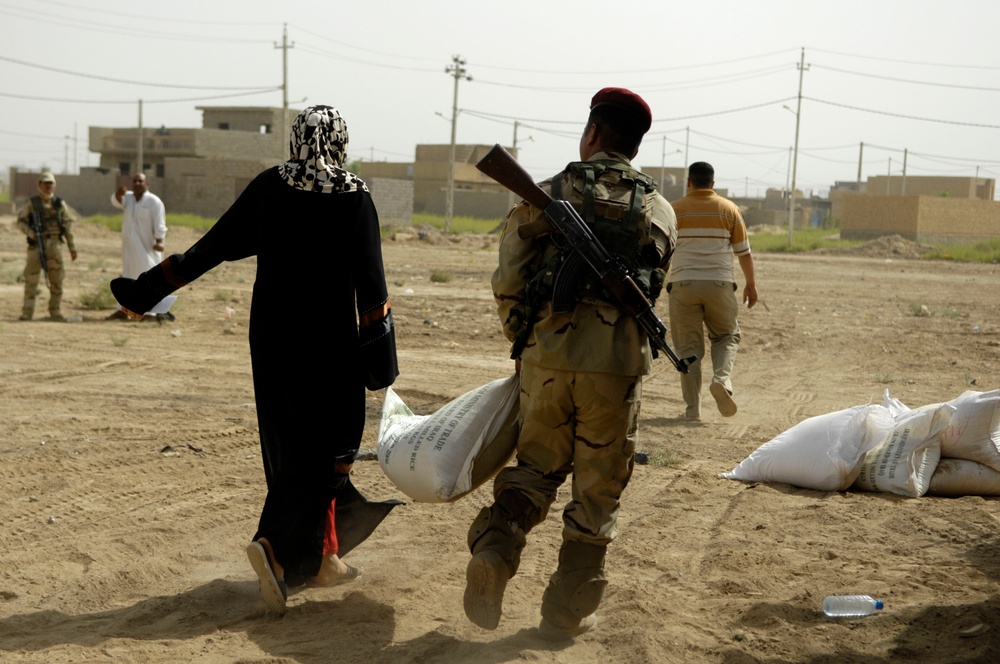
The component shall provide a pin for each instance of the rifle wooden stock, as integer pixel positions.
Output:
(502, 167)
(575, 235)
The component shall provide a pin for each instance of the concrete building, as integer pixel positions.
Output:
(476, 195)
(195, 170)
(933, 210)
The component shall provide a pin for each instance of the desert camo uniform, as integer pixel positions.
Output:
(581, 388)
(57, 226)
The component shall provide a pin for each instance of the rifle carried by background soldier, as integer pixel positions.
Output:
(36, 224)
(571, 232)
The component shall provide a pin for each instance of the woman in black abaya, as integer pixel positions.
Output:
(320, 332)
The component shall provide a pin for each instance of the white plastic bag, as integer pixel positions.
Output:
(441, 457)
(821, 453)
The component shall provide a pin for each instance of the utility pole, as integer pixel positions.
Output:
(861, 155)
(456, 70)
(795, 159)
(511, 196)
(139, 141)
(905, 150)
(788, 171)
(283, 136)
(888, 179)
(663, 162)
(687, 140)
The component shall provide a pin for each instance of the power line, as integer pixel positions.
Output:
(157, 19)
(335, 56)
(727, 111)
(701, 82)
(133, 101)
(901, 115)
(128, 82)
(905, 62)
(701, 65)
(361, 48)
(46, 138)
(906, 80)
(91, 27)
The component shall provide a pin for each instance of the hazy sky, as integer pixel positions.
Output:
(896, 75)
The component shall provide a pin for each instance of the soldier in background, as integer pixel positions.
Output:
(57, 227)
(581, 373)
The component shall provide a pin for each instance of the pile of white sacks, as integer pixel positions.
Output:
(943, 449)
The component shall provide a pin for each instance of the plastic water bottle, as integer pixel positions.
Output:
(850, 606)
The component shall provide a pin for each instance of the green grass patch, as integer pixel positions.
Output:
(441, 276)
(114, 221)
(99, 298)
(664, 459)
(883, 377)
(803, 239)
(10, 275)
(458, 224)
(987, 251)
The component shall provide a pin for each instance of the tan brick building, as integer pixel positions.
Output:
(476, 195)
(934, 210)
(196, 170)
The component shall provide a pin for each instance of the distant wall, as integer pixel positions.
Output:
(949, 186)
(468, 203)
(929, 219)
(393, 199)
(88, 193)
(949, 221)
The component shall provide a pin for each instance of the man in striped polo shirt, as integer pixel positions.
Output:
(702, 287)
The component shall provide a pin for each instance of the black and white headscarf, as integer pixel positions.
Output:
(318, 149)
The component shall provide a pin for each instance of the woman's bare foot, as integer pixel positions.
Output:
(333, 572)
(270, 575)
(276, 567)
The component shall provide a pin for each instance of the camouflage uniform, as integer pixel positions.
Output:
(57, 227)
(581, 387)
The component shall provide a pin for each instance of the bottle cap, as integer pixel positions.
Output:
(879, 604)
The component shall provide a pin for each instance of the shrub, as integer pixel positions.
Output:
(99, 298)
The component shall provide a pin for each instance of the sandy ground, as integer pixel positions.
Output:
(130, 481)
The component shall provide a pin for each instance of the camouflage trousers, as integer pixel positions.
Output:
(583, 424)
(33, 272)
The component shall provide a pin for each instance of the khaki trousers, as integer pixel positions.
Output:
(694, 307)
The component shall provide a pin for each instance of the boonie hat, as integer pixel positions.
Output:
(630, 101)
(47, 177)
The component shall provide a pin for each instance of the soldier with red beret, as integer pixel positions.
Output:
(581, 364)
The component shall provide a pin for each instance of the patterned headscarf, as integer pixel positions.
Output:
(318, 149)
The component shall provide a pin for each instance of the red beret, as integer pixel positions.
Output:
(628, 100)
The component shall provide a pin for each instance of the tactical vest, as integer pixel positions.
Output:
(49, 217)
(612, 198)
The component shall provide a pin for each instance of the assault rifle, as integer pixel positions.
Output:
(571, 232)
(36, 225)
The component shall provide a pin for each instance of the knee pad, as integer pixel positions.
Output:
(572, 596)
(577, 588)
